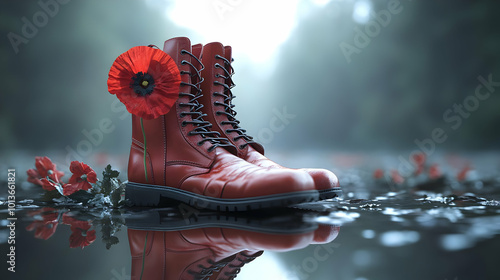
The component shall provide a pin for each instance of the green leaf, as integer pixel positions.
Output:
(81, 196)
(47, 196)
(108, 181)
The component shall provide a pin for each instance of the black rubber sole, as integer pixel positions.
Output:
(175, 219)
(157, 196)
(329, 193)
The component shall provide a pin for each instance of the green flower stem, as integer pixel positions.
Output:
(144, 136)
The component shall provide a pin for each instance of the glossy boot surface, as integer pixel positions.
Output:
(218, 107)
(188, 162)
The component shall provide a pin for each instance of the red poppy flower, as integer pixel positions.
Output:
(434, 171)
(462, 175)
(396, 177)
(419, 158)
(46, 227)
(146, 80)
(44, 168)
(378, 173)
(82, 176)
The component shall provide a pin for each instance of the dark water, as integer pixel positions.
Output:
(420, 229)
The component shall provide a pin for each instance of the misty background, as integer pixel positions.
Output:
(354, 75)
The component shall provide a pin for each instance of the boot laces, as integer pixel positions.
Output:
(201, 127)
(228, 105)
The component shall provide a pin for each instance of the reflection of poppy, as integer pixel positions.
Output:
(82, 176)
(146, 80)
(44, 168)
(80, 234)
(46, 227)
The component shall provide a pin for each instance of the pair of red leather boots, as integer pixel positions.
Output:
(198, 154)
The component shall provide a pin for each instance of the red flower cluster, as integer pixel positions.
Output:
(45, 173)
(146, 80)
(48, 177)
(419, 160)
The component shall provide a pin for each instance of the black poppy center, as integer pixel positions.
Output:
(142, 84)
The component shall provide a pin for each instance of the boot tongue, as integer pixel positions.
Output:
(228, 52)
(173, 47)
(196, 50)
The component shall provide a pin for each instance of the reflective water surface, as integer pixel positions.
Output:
(423, 228)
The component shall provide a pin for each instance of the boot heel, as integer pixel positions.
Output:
(137, 196)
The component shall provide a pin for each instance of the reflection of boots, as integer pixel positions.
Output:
(211, 252)
(188, 162)
(217, 104)
(169, 256)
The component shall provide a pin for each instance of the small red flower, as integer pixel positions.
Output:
(462, 175)
(146, 80)
(396, 177)
(44, 168)
(378, 173)
(81, 179)
(46, 227)
(434, 171)
(419, 158)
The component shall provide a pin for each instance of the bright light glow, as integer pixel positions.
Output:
(265, 267)
(255, 29)
(399, 238)
(361, 12)
(320, 3)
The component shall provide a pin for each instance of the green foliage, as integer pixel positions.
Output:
(107, 183)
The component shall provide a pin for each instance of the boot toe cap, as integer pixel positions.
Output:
(323, 179)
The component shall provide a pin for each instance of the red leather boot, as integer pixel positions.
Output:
(187, 162)
(217, 105)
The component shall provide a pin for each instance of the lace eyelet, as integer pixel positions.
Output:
(199, 144)
(182, 115)
(183, 62)
(183, 51)
(218, 112)
(183, 124)
(242, 147)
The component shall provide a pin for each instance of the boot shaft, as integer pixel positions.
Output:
(169, 138)
(217, 99)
